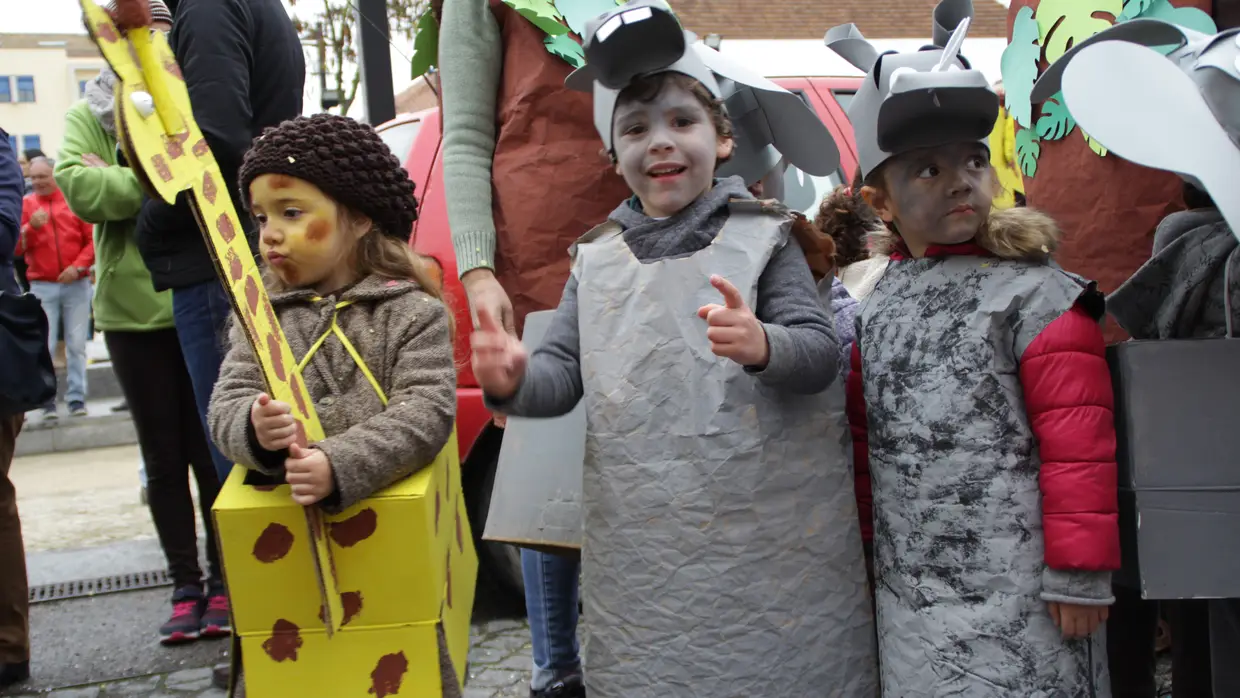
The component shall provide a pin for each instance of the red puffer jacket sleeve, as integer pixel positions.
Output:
(1071, 411)
(857, 423)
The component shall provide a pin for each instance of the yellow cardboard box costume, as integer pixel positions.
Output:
(297, 577)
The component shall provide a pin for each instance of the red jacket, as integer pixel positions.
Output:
(64, 240)
(1070, 408)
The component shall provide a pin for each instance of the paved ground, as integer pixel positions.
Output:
(82, 519)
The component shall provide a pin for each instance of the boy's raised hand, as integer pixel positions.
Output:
(273, 423)
(498, 357)
(735, 332)
(1077, 620)
(309, 473)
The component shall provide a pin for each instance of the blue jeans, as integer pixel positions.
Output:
(71, 303)
(551, 605)
(201, 315)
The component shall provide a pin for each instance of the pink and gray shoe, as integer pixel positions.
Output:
(185, 625)
(216, 621)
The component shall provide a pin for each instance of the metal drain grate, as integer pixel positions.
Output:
(101, 585)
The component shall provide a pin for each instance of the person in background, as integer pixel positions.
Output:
(60, 252)
(14, 595)
(137, 326)
(845, 218)
(23, 159)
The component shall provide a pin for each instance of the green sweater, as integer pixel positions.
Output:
(110, 197)
(470, 60)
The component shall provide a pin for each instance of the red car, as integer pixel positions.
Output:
(416, 140)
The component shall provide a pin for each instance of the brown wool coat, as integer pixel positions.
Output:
(403, 335)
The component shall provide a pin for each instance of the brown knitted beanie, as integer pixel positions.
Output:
(345, 159)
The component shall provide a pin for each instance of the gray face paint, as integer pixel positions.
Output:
(666, 149)
(940, 195)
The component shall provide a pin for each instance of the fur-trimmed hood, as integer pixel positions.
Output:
(1013, 233)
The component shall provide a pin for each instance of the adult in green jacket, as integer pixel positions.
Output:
(146, 356)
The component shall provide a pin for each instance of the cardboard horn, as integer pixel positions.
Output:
(847, 41)
(1144, 32)
(1105, 100)
(948, 15)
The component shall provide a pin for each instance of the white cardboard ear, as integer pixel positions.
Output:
(1145, 109)
(1146, 32)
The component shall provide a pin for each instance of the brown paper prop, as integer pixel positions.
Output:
(167, 150)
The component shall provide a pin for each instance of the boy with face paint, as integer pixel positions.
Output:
(692, 329)
(982, 380)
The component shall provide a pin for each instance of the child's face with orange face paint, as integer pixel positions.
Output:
(301, 235)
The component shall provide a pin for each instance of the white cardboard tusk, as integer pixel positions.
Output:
(144, 103)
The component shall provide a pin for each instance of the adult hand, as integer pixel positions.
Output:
(485, 293)
(69, 275)
(734, 331)
(92, 160)
(309, 473)
(273, 423)
(1076, 620)
(498, 359)
(39, 218)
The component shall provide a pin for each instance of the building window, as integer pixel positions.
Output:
(6, 89)
(13, 143)
(32, 143)
(25, 88)
(82, 87)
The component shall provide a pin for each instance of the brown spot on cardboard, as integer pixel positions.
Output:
(447, 570)
(173, 69)
(437, 498)
(104, 31)
(354, 529)
(225, 227)
(352, 603)
(284, 642)
(273, 543)
(300, 437)
(201, 148)
(173, 148)
(389, 673)
(209, 189)
(251, 294)
(460, 540)
(161, 166)
(277, 357)
(234, 266)
(299, 396)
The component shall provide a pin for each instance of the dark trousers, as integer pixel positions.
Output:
(1225, 646)
(1131, 628)
(152, 374)
(201, 314)
(14, 593)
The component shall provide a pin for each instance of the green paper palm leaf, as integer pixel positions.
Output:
(1065, 23)
(578, 12)
(540, 13)
(1055, 122)
(1094, 145)
(425, 45)
(1020, 67)
(563, 46)
(1028, 149)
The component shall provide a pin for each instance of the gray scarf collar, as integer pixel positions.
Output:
(688, 231)
(101, 98)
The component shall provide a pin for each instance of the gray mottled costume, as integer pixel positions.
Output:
(958, 515)
(722, 553)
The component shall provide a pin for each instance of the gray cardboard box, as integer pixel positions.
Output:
(1177, 419)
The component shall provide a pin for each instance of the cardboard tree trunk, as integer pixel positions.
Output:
(405, 555)
(1107, 207)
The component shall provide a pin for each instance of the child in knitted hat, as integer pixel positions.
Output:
(334, 210)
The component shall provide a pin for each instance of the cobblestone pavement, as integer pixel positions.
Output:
(499, 666)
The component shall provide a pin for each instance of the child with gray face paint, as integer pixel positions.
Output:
(722, 555)
(979, 372)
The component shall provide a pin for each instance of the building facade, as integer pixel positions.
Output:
(41, 76)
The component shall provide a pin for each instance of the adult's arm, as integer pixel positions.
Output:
(471, 59)
(95, 194)
(12, 185)
(211, 43)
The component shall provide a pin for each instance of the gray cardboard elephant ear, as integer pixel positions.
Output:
(1143, 31)
(768, 122)
(1179, 113)
(639, 38)
(917, 99)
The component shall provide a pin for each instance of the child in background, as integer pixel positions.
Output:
(982, 374)
(721, 553)
(335, 209)
(844, 216)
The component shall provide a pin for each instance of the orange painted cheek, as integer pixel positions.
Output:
(318, 230)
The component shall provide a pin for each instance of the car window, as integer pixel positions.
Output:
(843, 97)
(399, 139)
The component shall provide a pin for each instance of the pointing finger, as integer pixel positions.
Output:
(731, 296)
(487, 321)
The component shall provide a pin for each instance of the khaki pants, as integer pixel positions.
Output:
(14, 594)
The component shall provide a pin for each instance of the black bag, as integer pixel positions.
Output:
(27, 376)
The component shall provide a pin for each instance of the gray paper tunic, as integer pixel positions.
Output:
(954, 468)
(722, 554)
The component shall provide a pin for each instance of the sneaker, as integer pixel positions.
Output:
(567, 686)
(49, 414)
(122, 407)
(77, 409)
(14, 673)
(215, 619)
(185, 625)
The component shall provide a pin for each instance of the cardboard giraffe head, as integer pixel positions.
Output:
(917, 99)
(1176, 110)
(770, 124)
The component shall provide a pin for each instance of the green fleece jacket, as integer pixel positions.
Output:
(110, 197)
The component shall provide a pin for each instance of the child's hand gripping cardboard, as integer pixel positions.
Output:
(1077, 620)
(735, 332)
(498, 359)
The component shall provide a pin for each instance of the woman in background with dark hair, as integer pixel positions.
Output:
(845, 217)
